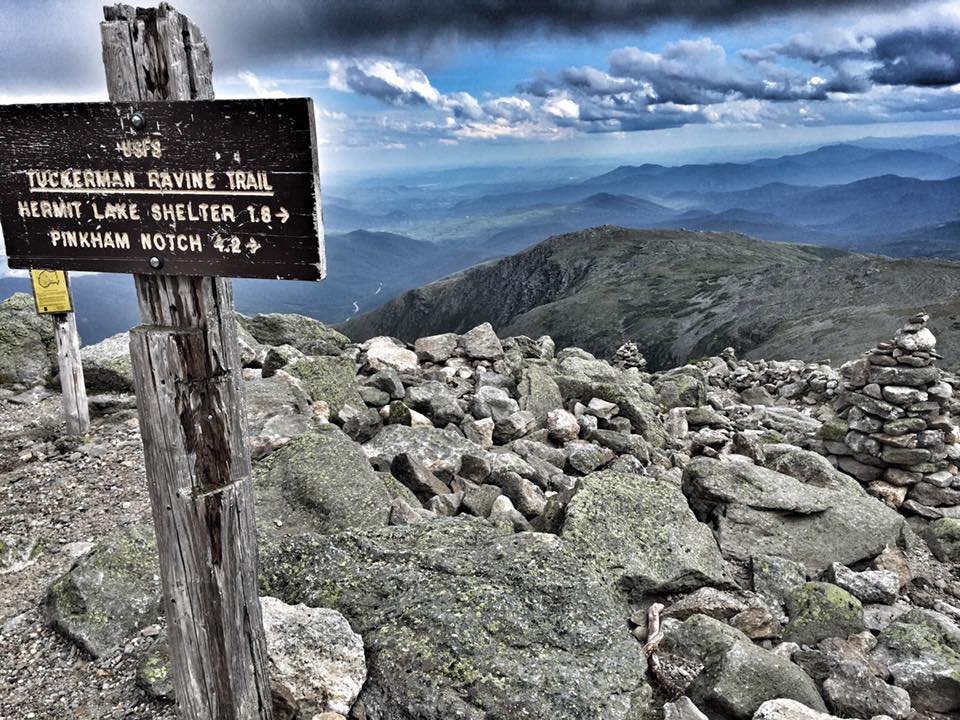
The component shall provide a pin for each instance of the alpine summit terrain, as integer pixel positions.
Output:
(490, 527)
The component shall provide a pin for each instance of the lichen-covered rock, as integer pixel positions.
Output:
(320, 482)
(681, 387)
(819, 610)
(107, 366)
(538, 392)
(943, 537)
(922, 651)
(734, 677)
(332, 379)
(441, 450)
(108, 593)
(757, 511)
(27, 354)
(642, 534)
(304, 333)
(461, 621)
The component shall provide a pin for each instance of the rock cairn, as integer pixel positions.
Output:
(627, 356)
(894, 430)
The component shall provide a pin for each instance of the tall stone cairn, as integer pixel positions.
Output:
(894, 431)
(627, 356)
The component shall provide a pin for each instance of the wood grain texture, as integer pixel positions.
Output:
(189, 397)
(72, 388)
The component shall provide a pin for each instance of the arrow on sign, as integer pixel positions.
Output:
(253, 246)
(283, 214)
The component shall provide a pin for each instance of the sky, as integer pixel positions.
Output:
(413, 83)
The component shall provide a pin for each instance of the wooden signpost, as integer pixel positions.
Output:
(186, 193)
(51, 291)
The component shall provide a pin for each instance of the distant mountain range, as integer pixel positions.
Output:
(682, 295)
(898, 197)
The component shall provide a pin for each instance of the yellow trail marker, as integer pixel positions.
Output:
(51, 291)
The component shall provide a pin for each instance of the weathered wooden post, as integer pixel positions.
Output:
(187, 376)
(51, 291)
(184, 192)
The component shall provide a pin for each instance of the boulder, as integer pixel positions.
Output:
(681, 387)
(279, 357)
(315, 655)
(538, 392)
(109, 593)
(641, 533)
(943, 538)
(384, 353)
(330, 379)
(562, 425)
(107, 366)
(27, 351)
(481, 343)
(462, 621)
(734, 677)
(922, 651)
(819, 610)
(682, 709)
(757, 511)
(320, 482)
(786, 709)
(773, 576)
(277, 410)
(304, 333)
(869, 586)
(853, 690)
(439, 449)
(436, 348)
(316, 661)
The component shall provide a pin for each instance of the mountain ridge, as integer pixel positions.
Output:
(681, 295)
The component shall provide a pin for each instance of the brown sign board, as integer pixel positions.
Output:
(217, 187)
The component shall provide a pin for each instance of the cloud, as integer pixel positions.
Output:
(390, 82)
(921, 57)
(261, 87)
(921, 48)
(697, 72)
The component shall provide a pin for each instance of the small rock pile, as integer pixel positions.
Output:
(766, 380)
(894, 430)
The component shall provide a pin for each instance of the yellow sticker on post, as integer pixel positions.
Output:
(51, 291)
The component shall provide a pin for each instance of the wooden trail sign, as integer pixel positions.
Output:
(227, 188)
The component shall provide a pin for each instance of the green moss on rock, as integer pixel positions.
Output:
(821, 610)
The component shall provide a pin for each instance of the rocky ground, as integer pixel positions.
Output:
(482, 528)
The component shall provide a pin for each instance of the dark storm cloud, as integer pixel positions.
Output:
(926, 58)
(57, 40)
(389, 25)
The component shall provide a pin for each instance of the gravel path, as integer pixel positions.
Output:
(56, 499)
